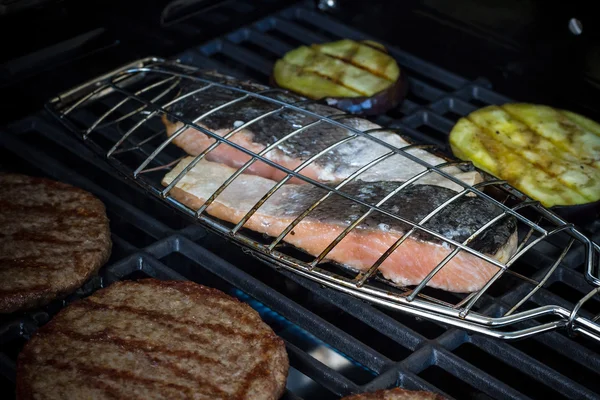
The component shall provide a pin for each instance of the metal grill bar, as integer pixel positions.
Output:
(478, 294)
(129, 132)
(518, 254)
(590, 248)
(431, 350)
(528, 236)
(227, 136)
(464, 300)
(139, 110)
(319, 184)
(438, 268)
(148, 117)
(118, 78)
(268, 194)
(587, 333)
(354, 224)
(351, 177)
(507, 271)
(511, 261)
(427, 310)
(138, 144)
(162, 167)
(126, 99)
(362, 278)
(242, 168)
(401, 240)
(414, 302)
(289, 176)
(271, 192)
(349, 128)
(390, 299)
(84, 99)
(179, 131)
(361, 133)
(438, 315)
(544, 279)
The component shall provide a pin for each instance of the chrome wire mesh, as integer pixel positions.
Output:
(117, 116)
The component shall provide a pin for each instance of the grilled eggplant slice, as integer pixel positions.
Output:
(551, 155)
(356, 77)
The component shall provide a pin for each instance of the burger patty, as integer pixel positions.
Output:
(395, 394)
(54, 236)
(154, 339)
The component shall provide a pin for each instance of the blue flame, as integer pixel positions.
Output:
(273, 318)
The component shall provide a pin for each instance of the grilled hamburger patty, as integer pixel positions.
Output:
(154, 339)
(395, 394)
(54, 237)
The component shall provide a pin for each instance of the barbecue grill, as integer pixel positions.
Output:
(338, 343)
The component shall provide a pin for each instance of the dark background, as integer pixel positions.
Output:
(525, 48)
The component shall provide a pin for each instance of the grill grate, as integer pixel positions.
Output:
(141, 154)
(395, 349)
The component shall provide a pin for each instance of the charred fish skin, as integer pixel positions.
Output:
(456, 221)
(266, 131)
(337, 151)
(362, 246)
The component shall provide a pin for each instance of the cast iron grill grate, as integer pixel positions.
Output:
(396, 349)
(378, 348)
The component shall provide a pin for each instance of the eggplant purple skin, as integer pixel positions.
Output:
(377, 104)
(578, 214)
(380, 103)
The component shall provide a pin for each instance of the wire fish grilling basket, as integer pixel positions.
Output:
(119, 116)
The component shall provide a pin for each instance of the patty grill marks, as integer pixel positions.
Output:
(54, 237)
(156, 339)
(170, 321)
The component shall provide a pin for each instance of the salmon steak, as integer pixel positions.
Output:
(407, 265)
(206, 108)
